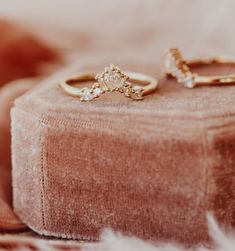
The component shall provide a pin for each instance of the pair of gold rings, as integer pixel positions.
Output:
(113, 79)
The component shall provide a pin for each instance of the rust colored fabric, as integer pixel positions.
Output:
(131, 166)
(17, 242)
(21, 53)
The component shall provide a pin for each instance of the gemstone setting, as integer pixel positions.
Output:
(86, 94)
(137, 92)
(176, 67)
(97, 91)
(112, 77)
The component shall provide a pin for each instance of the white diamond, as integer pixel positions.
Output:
(189, 81)
(137, 92)
(97, 91)
(169, 62)
(86, 94)
(180, 76)
(137, 88)
(113, 80)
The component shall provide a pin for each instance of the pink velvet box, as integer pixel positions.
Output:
(149, 168)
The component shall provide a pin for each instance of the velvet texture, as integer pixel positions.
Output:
(151, 168)
(8, 220)
(21, 55)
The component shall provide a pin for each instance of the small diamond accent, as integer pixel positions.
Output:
(137, 88)
(189, 81)
(170, 63)
(86, 94)
(97, 91)
(137, 92)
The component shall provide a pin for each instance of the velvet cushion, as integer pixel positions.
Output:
(151, 168)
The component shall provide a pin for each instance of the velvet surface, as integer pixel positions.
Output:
(21, 55)
(8, 220)
(131, 166)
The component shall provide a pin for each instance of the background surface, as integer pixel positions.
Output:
(130, 27)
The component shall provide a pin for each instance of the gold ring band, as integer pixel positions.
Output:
(177, 67)
(112, 79)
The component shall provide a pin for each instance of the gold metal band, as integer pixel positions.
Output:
(177, 67)
(112, 79)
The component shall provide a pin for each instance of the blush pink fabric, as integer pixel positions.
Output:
(151, 168)
(8, 220)
(21, 55)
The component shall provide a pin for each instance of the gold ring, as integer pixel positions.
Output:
(110, 80)
(176, 66)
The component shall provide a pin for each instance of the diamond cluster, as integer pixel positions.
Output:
(89, 94)
(112, 79)
(177, 67)
(133, 92)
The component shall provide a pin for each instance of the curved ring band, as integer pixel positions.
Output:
(112, 79)
(177, 67)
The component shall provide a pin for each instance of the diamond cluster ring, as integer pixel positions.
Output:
(176, 66)
(112, 79)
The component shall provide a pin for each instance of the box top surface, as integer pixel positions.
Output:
(172, 103)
